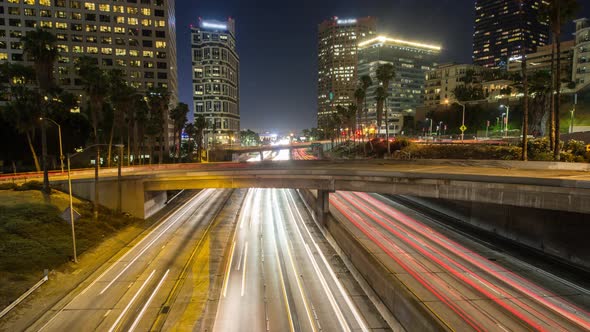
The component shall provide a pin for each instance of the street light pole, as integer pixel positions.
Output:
(462, 121)
(72, 211)
(507, 107)
(61, 153)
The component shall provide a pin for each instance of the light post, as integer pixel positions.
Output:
(440, 128)
(61, 154)
(462, 121)
(70, 156)
(507, 117)
(572, 113)
(503, 121)
(497, 122)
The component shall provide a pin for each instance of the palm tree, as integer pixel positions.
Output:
(179, 119)
(191, 132)
(365, 83)
(559, 12)
(140, 123)
(96, 86)
(158, 99)
(22, 107)
(200, 126)
(40, 46)
(386, 73)
(380, 96)
(121, 97)
(359, 97)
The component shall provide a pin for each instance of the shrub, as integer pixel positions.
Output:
(8, 186)
(577, 148)
(400, 144)
(30, 185)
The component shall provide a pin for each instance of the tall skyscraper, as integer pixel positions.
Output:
(337, 61)
(411, 61)
(216, 78)
(500, 26)
(581, 59)
(138, 38)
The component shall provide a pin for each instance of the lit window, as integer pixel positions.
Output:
(104, 7)
(45, 24)
(160, 44)
(89, 6)
(61, 25)
(148, 54)
(120, 51)
(132, 21)
(132, 10)
(92, 49)
(120, 19)
(118, 9)
(146, 11)
(107, 51)
(77, 49)
(146, 22)
(134, 53)
(105, 28)
(29, 12)
(3, 56)
(45, 2)
(160, 24)
(119, 30)
(30, 2)
(135, 63)
(13, 1)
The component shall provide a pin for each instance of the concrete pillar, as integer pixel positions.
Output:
(261, 155)
(322, 206)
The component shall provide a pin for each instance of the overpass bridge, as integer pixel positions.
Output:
(552, 186)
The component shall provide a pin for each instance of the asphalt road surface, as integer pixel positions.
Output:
(467, 285)
(278, 278)
(128, 294)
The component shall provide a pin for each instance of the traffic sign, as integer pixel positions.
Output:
(463, 128)
(65, 215)
(588, 148)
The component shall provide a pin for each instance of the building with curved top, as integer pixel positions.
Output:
(581, 62)
(216, 79)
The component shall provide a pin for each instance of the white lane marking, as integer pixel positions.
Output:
(191, 201)
(107, 313)
(148, 246)
(231, 258)
(242, 256)
(359, 319)
(269, 212)
(136, 322)
(244, 271)
(297, 278)
(131, 302)
(183, 208)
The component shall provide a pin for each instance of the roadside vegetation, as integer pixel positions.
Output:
(34, 237)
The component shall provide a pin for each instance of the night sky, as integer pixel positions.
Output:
(277, 46)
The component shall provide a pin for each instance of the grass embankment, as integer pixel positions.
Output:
(34, 237)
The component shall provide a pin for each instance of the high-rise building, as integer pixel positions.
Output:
(216, 78)
(337, 61)
(411, 61)
(137, 37)
(541, 59)
(501, 25)
(581, 60)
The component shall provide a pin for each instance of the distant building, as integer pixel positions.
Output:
(411, 61)
(581, 57)
(216, 78)
(499, 29)
(337, 61)
(541, 60)
(442, 81)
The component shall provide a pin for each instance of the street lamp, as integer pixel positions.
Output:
(462, 121)
(503, 121)
(70, 156)
(507, 117)
(61, 154)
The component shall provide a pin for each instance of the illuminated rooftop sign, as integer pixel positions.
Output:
(346, 21)
(213, 25)
(384, 39)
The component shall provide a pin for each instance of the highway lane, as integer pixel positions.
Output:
(454, 277)
(278, 278)
(128, 294)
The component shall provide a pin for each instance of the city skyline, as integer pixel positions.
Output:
(280, 94)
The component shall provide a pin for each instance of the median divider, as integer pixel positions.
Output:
(401, 302)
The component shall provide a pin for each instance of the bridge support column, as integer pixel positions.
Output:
(261, 155)
(322, 207)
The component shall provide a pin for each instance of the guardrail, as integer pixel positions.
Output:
(24, 296)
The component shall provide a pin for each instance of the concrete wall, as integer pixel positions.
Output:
(408, 310)
(564, 235)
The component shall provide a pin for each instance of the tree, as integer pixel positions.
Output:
(179, 119)
(200, 126)
(249, 138)
(121, 97)
(40, 46)
(386, 73)
(158, 99)
(96, 86)
(558, 13)
(468, 93)
(525, 90)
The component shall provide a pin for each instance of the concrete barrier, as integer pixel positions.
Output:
(401, 302)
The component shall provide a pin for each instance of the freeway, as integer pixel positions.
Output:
(278, 278)
(127, 295)
(468, 286)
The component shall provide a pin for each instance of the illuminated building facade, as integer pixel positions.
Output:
(337, 61)
(444, 79)
(411, 61)
(216, 80)
(500, 26)
(581, 57)
(138, 37)
(541, 60)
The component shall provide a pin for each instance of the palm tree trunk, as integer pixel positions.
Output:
(553, 74)
(557, 147)
(387, 129)
(32, 148)
(525, 117)
(46, 189)
(110, 148)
